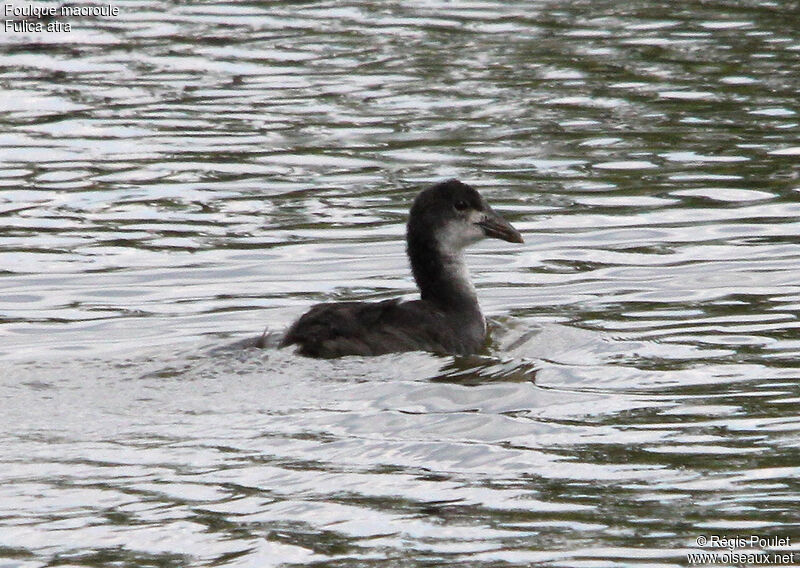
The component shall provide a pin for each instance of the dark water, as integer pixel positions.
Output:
(186, 174)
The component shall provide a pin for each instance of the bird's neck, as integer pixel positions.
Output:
(443, 278)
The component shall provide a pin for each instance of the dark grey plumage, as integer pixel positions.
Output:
(443, 220)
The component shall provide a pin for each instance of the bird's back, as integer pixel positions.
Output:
(366, 328)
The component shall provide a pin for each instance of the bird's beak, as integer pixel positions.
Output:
(495, 226)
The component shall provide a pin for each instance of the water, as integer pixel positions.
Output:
(186, 175)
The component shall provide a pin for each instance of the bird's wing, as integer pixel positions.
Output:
(360, 328)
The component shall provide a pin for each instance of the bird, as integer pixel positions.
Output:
(444, 219)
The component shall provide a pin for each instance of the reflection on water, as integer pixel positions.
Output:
(189, 175)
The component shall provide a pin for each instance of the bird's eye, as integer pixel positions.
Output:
(461, 205)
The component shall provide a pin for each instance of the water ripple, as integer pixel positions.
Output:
(191, 174)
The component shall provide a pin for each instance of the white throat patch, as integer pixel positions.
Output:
(452, 240)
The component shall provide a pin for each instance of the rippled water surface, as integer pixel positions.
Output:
(187, 174)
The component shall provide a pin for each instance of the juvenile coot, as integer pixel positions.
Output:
(444, 219)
